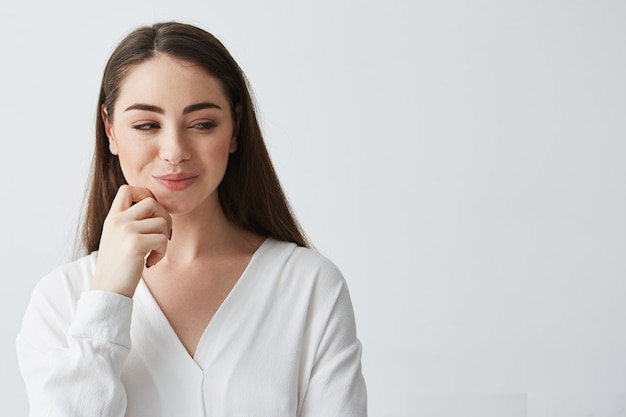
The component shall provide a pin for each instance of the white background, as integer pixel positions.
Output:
(462, 162)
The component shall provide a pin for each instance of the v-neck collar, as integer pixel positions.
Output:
(202, 355)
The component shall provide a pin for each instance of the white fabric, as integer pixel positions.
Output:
(283, 343)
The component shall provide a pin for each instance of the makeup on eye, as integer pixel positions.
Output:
(203, 125)
(145, 126)
(204, 113)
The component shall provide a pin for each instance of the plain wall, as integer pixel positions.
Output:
(462, 162)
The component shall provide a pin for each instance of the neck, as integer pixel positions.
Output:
(207, 234)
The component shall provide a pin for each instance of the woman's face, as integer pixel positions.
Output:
(173, 131)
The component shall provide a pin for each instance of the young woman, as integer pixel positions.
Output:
(193, 256)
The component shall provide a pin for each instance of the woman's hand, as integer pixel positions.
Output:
(133, 235)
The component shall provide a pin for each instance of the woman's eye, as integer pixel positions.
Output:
(203, 125)
(145, 126)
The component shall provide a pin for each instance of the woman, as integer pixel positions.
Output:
(193, 255)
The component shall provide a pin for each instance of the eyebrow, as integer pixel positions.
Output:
(186, 110)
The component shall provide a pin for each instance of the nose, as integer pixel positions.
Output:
(174, 147)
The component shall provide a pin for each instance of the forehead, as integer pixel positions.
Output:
(170, 83)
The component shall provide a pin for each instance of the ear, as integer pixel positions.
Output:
(233, 144)
(237, 121)
(108, 129)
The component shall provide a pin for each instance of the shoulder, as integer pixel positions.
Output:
(303, 262)
(302, 271)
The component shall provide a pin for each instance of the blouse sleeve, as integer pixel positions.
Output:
(71, 360)
(336, 386)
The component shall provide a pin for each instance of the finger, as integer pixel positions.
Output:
(127, 194)
(151, 225)
(150, 208)
(159, 244)
(139, 193)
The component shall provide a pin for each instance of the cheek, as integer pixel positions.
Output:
(214, 160)
(132, 160)
(216, 150)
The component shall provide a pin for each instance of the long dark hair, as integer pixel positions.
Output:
(250, 194)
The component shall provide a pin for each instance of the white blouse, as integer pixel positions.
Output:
(283, 343)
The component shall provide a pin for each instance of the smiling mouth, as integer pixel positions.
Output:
(176, 182)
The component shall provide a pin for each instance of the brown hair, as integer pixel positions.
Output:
(250, 193)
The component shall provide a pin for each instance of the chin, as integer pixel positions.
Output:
(187, 201)
(175, 207)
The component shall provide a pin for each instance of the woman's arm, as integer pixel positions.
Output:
(71, 365)
(74, 342)
(336, 386)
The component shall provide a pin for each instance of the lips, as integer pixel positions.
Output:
(176, 181)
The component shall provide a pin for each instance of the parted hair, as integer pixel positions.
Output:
(250, 193)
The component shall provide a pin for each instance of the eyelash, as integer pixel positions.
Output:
(204, 125)
(151, 126)
(146, 126)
